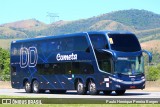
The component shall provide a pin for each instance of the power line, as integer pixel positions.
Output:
(52, 16)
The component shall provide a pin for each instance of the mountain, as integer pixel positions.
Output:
(140, 19)
(6, 32)
(85, 25)
(30, 24)
(110, 25)
(21, 29)
(153, 45)
(143, 23)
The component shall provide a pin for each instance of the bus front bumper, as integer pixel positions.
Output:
(118, 84)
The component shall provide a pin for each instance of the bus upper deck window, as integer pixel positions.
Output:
(99, 41)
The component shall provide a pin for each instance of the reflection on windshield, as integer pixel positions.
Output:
(130, 66)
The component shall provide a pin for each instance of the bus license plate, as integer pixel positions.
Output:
(132, 87)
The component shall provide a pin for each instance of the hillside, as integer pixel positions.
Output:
(141, 22)
(21, 29)
(6, 32)
(30, 24)
(153, 45)
(140, 19)
(85, 25)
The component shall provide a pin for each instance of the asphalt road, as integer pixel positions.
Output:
(73, 94)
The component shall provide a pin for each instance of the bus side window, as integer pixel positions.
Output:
(75, 68)
(105, 65)
(99, 41)
(62, 45)
(86, 68)
(13, 70)
(55, 68)
(53, 46)
(104, 61)
(58, 46)
(80, 44)
(82, 68)
(69, 44)
(67, 67)
(15, 49)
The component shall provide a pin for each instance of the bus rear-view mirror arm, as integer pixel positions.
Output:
(149, 55)
(112, 53)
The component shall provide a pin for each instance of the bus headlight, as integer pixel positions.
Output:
(117, 86)
(143, 77)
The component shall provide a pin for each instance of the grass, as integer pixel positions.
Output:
(6, 96)
(5, 43)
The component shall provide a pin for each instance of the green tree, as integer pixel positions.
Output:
(153, 73)
(4, 64)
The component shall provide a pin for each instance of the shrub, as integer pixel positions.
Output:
(153, 73)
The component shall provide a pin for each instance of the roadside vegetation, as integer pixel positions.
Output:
(152, 72)
(4, 65)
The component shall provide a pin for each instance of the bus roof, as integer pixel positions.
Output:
(70, 35)
(109, 32)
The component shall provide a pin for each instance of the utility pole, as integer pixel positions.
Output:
(52, 16)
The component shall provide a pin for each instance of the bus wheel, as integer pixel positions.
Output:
(35, 86)
(28, 87)
(92, 88)
(81, 90)
(120, 92)
(107, 92)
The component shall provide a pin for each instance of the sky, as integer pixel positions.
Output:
(15, 10)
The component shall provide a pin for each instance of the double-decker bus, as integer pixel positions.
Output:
(87, 62)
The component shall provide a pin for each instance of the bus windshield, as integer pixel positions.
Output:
(130, 66)
(124, 42)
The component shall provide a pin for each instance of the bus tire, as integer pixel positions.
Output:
(120, 92)
(28, 87)
(92, 88)
(81, 90)
(107, 92)
(35, 86)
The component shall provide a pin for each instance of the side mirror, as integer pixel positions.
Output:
(149, 55)
(112, 53)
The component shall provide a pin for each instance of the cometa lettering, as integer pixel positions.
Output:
(60, 57)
